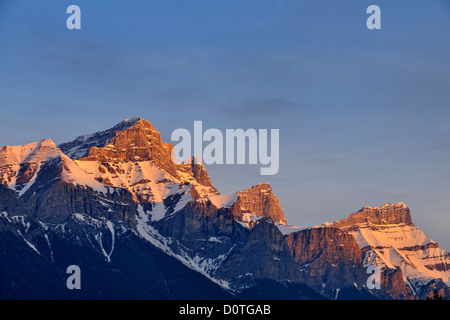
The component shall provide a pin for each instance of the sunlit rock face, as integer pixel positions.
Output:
(388, 238)
(261, 202)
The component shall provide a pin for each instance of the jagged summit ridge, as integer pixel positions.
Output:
(389, 213)
(52, 187)
(390, 207)
(80, 147)
(135, 140)
(139, 142)
(21, 166)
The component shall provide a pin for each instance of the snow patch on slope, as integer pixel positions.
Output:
(203, 266)
(404, 246)
(288, 229)
(223, 200)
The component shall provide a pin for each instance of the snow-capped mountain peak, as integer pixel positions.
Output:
(388, 238)
(80, 146)
(28, 153)
(21, 166)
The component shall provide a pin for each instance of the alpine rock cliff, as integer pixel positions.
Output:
(388, 238)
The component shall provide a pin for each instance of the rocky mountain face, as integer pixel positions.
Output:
(20, 164)
(390, 213)
(121, 188)
(53, 187)
(411, 262)
(10, 202)
(330, 261)
(143, 226)
(394, 285)
(263, 255)
(137, 160)
(80, 147)
(260, 201)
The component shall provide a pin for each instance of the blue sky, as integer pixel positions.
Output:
(363, 115)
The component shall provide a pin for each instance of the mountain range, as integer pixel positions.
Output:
(140, 226)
